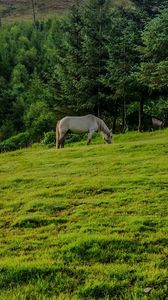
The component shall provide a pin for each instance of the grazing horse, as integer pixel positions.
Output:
(88, 123)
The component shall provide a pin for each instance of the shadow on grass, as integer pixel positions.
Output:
(57, 279)
(34, 222)
(97, 250)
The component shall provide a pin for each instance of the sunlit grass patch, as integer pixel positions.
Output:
(85, 222)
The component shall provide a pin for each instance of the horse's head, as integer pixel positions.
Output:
(107, 137)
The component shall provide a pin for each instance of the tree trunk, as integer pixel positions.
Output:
(141, 105)
(114, 124)
(34, 13)
(124, 115)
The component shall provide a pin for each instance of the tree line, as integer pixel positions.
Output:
(108, 60)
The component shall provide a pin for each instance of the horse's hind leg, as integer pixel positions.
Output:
(57, 136)
(62, 142)
(62, 139)
(57, 143)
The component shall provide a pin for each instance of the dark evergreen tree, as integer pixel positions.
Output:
(154, 68)
(69, 68)
(123, 58)
(151, 7)
(96, 19)
(153, 72)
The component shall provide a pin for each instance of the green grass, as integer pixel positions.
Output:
(86, 222)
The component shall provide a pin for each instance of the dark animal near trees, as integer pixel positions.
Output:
(149, 123)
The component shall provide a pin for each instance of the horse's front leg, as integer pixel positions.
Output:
(90, 135)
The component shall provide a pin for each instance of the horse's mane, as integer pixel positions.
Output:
(102, 126)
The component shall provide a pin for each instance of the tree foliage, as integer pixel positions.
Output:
(97, 59)
(154, 66)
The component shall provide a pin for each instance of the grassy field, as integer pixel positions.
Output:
(86, 222)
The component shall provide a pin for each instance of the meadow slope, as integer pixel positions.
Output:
(86, 222)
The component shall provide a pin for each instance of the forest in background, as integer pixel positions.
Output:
(100, 59)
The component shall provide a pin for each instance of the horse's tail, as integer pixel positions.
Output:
(57, 134)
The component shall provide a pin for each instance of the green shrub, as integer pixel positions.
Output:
(38, 119)
(6, 130)
(49, 138)
(18, 141)
(75, 138)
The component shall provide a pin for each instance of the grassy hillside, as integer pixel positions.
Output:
(86, 222)
(14, 10)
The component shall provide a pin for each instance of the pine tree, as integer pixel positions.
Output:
(154, 67)
(96, 19)
(151, 7)
(123, 39)
(153, 71)
(73, 62)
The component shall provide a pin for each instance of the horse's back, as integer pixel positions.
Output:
(157, 123)
(79, 124)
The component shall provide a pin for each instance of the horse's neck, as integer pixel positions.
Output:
(102, 126)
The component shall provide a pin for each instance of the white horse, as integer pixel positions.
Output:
(88, 123)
